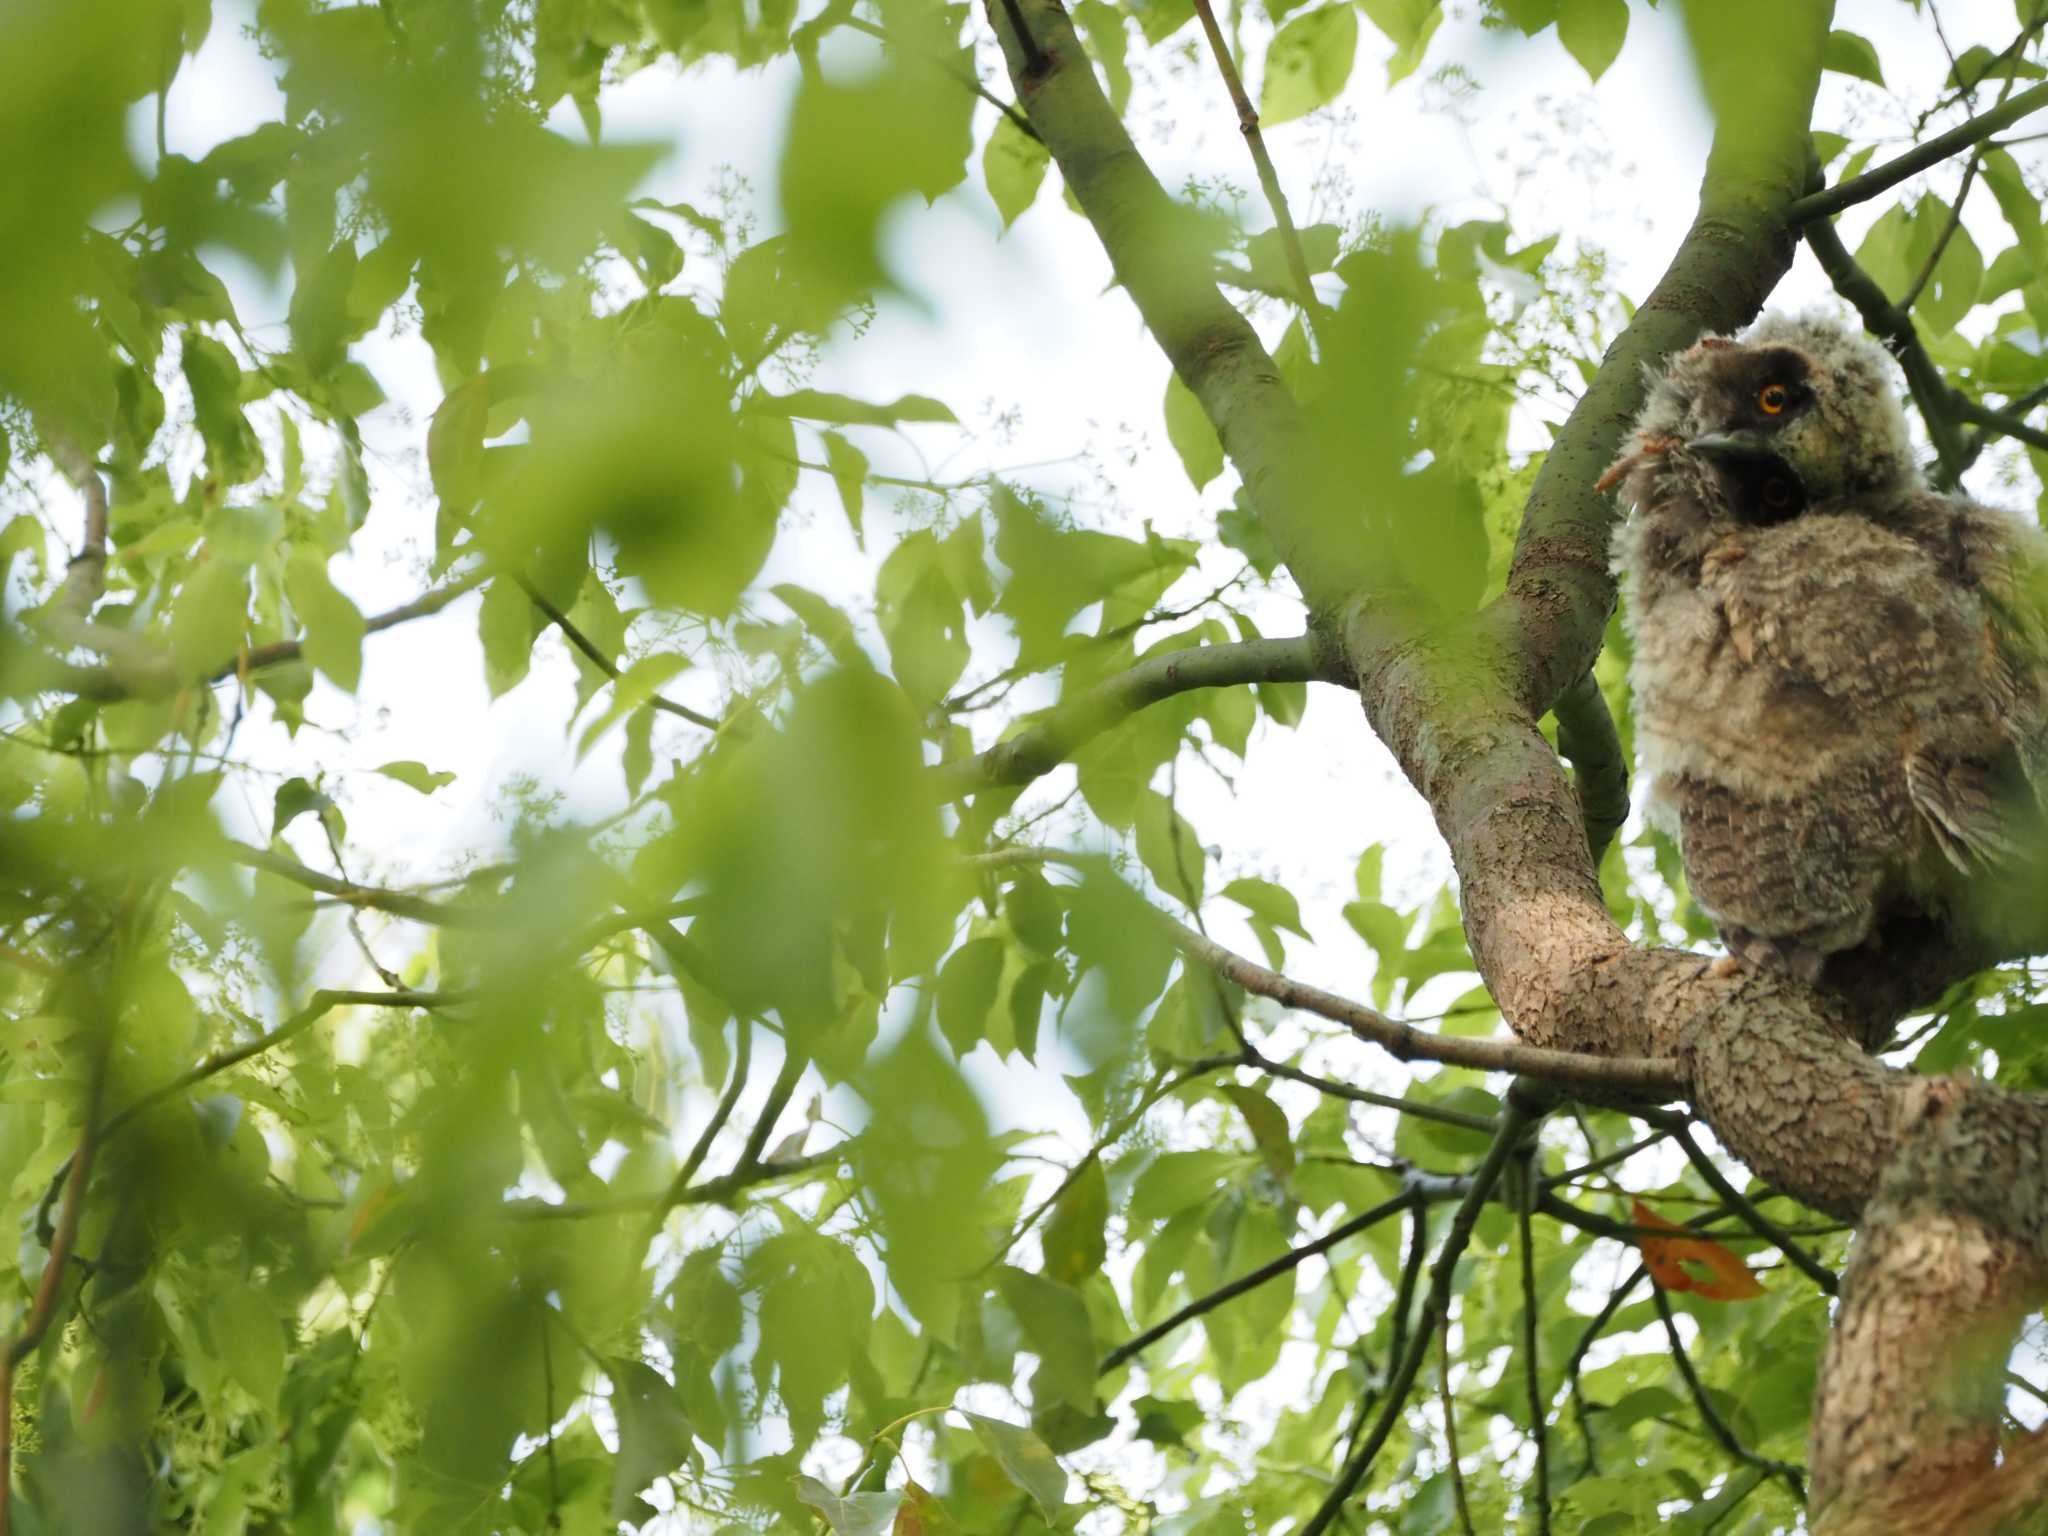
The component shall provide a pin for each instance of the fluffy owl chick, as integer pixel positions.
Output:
(1838, 673)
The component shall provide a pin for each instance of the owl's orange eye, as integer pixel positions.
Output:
(1773, 399)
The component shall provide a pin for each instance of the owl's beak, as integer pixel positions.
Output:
(1735, 449)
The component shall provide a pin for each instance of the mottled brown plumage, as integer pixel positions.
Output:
(1839, 674)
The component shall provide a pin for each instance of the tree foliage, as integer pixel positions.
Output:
(850, 1126)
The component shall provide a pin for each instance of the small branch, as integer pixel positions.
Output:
(1450, 1412)
(151, 675)
(2011, 411)
(1892, 325)
(1435, 1114)
(1846, 194)
(1034, 54)
(793, 1063)
(710, 1192)
(1758, 1222)
(416, 908)
(1593, 1330)
(1538, 1408)
(597, 658)
(743, 1053)
(318, 1006)
(1587, 739)
(43, 1310)
(1941, 241)
(1269, 179)
(1067, 725)
(86, 578)
(1253, 1279)
(1794, 1478)
(1639, 1074)
(1515, 1119)
(966, 77)
(1161, 1087)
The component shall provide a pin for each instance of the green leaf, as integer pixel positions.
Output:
(416, 775)
(1307, 65)
(506, 627)
(821, 405)
(853, 1514)
(1275, 903)
(634, 687)
(233, 453)
(1013, 165)
(1592, 31)
(1409, 25)
(1848, 53)
(967, 991)
(1028, 1461)
(1034, 912)
(849, 470)
(333, 626)
(654, 1433)
(1076, 1240)
(1169, 849)
(208, 618)
(1188, 429)
(920, 614)
(832, 627)
(1268, 1124)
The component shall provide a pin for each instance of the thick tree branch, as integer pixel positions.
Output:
(1211, 346)
(1061, 730)
(1860, 189)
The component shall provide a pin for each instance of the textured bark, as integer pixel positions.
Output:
(1948, 1177)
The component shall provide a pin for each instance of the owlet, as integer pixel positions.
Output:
(1840, 676)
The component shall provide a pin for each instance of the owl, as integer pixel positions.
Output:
(1840, 676)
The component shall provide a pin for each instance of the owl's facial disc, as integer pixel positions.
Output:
(1757, 484)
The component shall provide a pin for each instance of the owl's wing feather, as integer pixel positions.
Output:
(1973, 810)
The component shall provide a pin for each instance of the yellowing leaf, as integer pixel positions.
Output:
(1688, 1262)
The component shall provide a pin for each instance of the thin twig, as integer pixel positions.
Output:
(43, 1310)
(1253, 1279)
(1860, 189)
(966, 77)
(1269, 178)
(710, 1192)
(743, 1051)
(1406, 1043)
(1515, 1119)
(1736, 1201)
(1593, 1330)
(1941, 241)
(1538, 1408)
(1794, 1477)
(597, 658)
(1450, 1411)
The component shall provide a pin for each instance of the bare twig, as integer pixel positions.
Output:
(1641, 1074)
(743, 1052)
(1450, 1412)
(1269, 178)
(1253, 1279)
(1063, 728)
(1795, 1478)
(710, 1192)
(1515, 1119)
(1739, 1203)
(1941, 241)
(1846, 194)
(1538, 1409)
(966, 77)
(42, 1312)
(597, 658)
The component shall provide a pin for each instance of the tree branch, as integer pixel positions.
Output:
(1860, 189)
(1587, 739)
(1716, 1425)
(1515, 1119)
(1269, 179)
(1405, 1042)
(1253, 1279)
(597, 658)
(710, 1192)
(1061, 730)
(1758, 1222)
